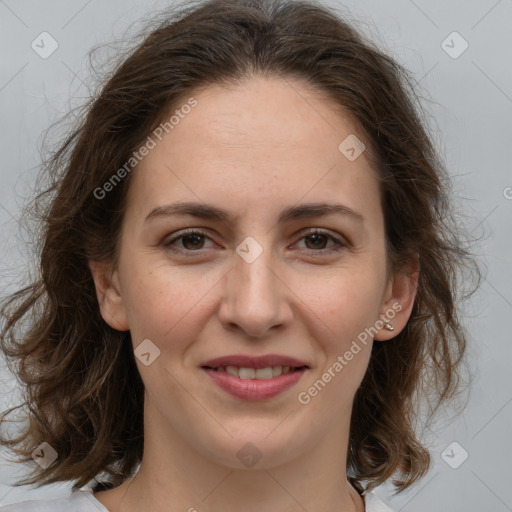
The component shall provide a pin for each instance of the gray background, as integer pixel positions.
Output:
(471, 109)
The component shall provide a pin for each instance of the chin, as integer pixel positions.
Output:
(254, 450)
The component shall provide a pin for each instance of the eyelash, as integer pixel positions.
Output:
(168, 244)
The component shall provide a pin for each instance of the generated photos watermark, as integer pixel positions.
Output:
(137, 156)
(304, 397)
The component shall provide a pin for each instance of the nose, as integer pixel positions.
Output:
(256, 299)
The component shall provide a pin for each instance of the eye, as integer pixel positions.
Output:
(192, 240)
(317, 239)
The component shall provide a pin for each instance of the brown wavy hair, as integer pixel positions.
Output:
(82, 391)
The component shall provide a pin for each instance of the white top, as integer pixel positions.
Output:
(84, 501)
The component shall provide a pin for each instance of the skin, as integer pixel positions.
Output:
(252, 149)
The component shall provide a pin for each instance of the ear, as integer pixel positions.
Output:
(399, 298)
(106, 281)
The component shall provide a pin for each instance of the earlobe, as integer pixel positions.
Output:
(399, 299)
(106, 282)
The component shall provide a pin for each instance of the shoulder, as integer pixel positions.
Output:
(373, 504)
(79, 501)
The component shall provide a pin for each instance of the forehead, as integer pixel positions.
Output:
(266, 139)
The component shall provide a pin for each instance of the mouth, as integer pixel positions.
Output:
(250, 377)
(248, 373)
(254, 384)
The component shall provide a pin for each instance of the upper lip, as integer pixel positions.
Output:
(246, 361)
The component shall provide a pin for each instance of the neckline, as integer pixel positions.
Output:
(89, 494)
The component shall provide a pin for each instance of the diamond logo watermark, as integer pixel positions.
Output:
(147, 352)
(249, 249)
(454, 455)
(351, 147)
(249, 455)
(454, 45)
(44, 45)
(44, 455)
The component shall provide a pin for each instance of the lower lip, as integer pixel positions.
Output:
(254, 389)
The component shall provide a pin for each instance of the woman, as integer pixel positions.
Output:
(246, 277)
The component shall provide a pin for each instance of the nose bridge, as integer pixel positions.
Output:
(254, 298)
(255, 282)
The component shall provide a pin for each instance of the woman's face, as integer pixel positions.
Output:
(253, 282)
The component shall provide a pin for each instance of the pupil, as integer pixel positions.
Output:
(317, 237)
(197, 239)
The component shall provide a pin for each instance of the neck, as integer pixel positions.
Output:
(175, 476)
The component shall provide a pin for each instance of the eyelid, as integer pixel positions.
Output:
(322, 231)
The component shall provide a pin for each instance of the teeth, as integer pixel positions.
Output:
(276, 371)
(232, 370)
(247, 373)
(251, 373)
(264, 373)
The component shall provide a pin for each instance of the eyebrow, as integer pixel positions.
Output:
(205, 211)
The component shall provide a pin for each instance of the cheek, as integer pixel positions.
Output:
(345, 300)
(164, 302)
(347, 311)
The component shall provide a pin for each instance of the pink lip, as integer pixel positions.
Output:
(255, 389)
(246, 361)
